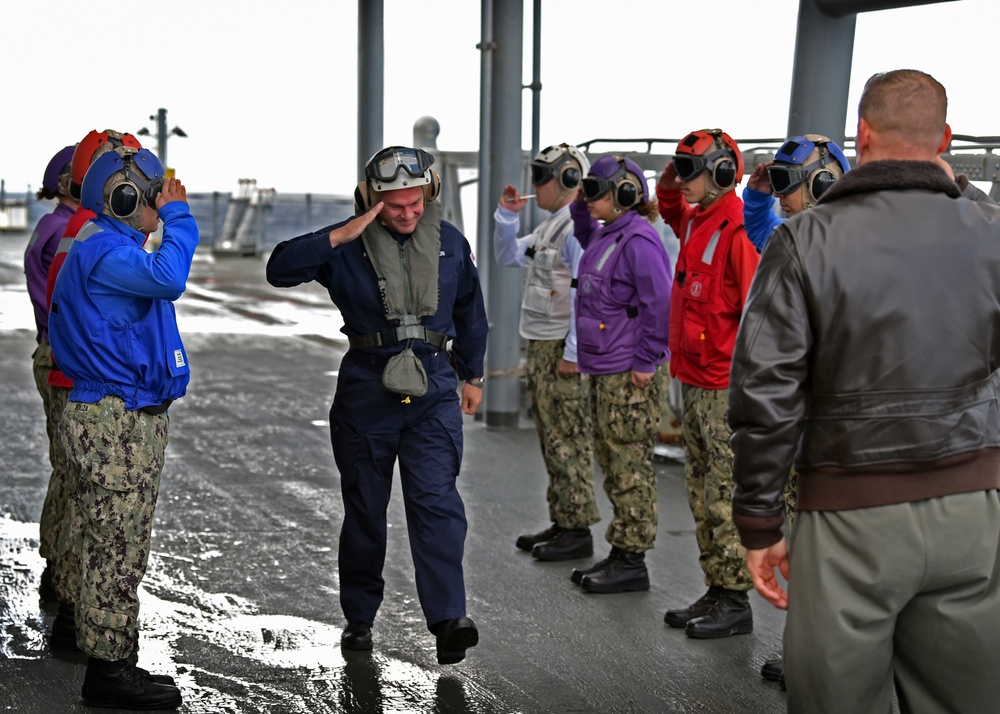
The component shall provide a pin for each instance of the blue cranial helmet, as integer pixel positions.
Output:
(812, 162)
(121, 182)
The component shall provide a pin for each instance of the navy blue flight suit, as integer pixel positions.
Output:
(371, 428)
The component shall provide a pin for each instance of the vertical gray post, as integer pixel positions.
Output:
(484, 199)
(536, 101)
(371, 79)
(503, 355)
(161, 136)
(215, 217)
(821, 72)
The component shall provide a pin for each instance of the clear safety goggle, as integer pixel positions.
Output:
(387, 165)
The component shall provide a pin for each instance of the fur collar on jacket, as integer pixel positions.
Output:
(892, 175)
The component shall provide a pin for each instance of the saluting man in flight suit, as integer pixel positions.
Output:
(405, 283)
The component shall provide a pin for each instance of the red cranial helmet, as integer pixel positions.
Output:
(90, 149)
(711, 150)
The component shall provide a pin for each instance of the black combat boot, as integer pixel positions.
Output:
(731, 615)
(701, 606)
(63, 636)
(530, 540)
(356, 636)
(122, 685)
(46, 589)
(577, 575)
(568, 544)
(627, 572)
(772, 669)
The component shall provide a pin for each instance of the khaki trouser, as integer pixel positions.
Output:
(908, 593)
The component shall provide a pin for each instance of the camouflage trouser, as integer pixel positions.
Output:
(561, 406)
(708, 473)
(54, 401)
(117, 456)
(791, 496)
(626, 422)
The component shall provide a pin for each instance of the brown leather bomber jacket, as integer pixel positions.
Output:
(868, 351)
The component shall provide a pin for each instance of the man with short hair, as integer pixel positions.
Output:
(405, 283)
(869, 354)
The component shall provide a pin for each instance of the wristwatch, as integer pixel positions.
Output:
(477, 383)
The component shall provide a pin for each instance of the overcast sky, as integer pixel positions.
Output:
(268, 90)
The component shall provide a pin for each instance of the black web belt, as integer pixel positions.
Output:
(395, 335)
(155, 409)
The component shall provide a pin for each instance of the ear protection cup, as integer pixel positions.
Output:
(433, 189)
(569, 177)
(626, 193)
(821, 181)
(724, 173)
(124, 200)
(362, 199)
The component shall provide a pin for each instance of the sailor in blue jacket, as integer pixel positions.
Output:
(803, 169)
(405, 283)
(114, 333)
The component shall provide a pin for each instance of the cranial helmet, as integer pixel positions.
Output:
(121, 182)
(394, 168)
(713, 151)
(56, 178)
(811, 162)
(91, 148)
(619, 175)
(563, 162)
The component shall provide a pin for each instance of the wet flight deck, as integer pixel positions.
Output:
(240, 602)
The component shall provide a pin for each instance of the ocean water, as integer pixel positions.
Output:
(289, 215)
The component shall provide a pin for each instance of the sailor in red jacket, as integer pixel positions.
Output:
(716, 263)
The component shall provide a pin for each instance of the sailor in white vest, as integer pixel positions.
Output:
(560, 394)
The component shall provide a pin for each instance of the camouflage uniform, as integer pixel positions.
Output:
(117, 456)
(626, 422)
(54, 401)
(708, 474)
(561, 406)
(791, 496)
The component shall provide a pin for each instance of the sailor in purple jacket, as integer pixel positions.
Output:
(37, 258)
(622, 317)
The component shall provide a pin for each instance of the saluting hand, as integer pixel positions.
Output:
(759, 180)
(668, 179)
(352, 229)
